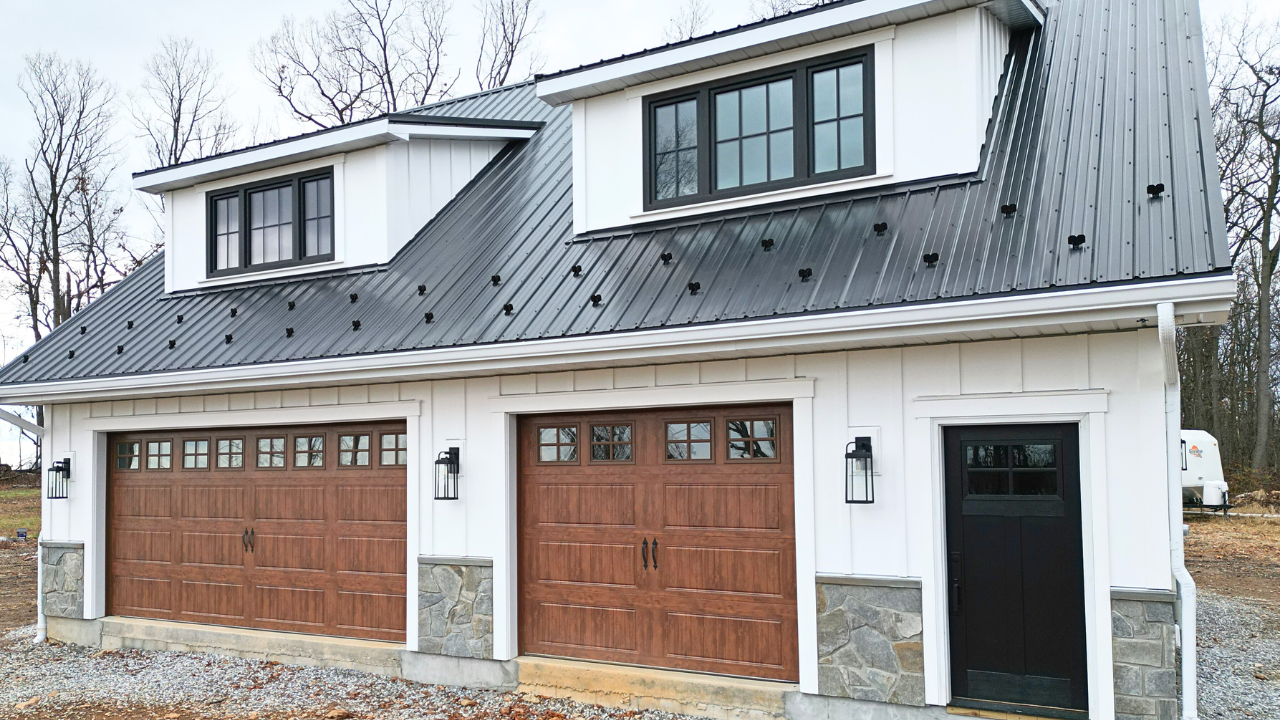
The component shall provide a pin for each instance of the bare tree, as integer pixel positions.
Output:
(507, 29)
(1245, 82)
(71, 156)
(180, 108)
(373, 57)
(690, 22)
(765, 9)
(21, 251)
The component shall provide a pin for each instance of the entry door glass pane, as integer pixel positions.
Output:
(1011, 469)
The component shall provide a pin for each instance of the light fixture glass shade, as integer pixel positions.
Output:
(448, 468)
(859, 472)
(59, 476)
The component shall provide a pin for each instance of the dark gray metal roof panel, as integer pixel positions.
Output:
(1107, 98)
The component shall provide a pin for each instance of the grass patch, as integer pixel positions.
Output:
(19, 508)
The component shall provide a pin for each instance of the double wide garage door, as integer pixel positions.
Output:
(285, 528)
(663, 538)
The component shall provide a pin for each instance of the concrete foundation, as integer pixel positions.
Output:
(621, 686)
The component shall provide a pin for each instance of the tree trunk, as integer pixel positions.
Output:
(1263, 402)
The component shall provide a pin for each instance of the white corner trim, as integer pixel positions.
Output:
(1069, 402)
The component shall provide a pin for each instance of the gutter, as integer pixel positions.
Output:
(1186, 587)
(1123, 307)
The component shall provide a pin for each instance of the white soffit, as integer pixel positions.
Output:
(320, 144)
(806, 28)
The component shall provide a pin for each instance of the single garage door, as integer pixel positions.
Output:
(662, 538)
(284, 528)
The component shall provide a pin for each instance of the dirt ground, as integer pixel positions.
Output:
(1235, 556)
(19, 508)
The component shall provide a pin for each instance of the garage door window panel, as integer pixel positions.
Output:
(354, 451)
(230, 455)
(558, 444)
(195, 454)
(394, 449)
(159, 454)
(127, 456)
(308, 451)
(611, 443)
(753, 440)
(689, 441)
(271, 452)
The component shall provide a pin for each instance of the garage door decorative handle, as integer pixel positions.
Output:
(244, 539)
(250, 539)
(644, 553)
(655, 553)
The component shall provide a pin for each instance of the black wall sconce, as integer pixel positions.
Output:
(448, 468)
(59, 476)
(859, 472)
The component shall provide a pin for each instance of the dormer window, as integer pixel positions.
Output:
(801, 124)
(270, 224)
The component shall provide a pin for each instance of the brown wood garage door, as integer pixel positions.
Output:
(662, 538)
(284, 528)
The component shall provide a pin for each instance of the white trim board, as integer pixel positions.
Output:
(306, 147)
(765, 39)
(1051, 313)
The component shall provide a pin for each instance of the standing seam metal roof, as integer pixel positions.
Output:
(1107, 98)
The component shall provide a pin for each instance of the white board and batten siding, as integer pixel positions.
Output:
(382, 195)
(935, 83)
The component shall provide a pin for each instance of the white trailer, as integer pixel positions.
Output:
(1202, 481)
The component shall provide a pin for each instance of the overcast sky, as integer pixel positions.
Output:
(117, 36)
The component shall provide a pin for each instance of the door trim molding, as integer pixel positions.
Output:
(1089, 409)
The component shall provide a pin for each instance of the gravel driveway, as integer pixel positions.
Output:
(63, 681)
(1239, 679)
(1239, 663)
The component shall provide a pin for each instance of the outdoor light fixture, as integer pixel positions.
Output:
(448, 467)
(59, 475)
(859, 480)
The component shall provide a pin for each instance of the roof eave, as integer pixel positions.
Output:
(348, 138)
(763, 38)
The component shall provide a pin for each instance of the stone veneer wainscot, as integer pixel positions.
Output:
(455, 606)
(870, 639)
(63, 582)
(1144, 655)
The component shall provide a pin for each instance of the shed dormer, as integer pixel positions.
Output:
(844, 96)
(347, 197)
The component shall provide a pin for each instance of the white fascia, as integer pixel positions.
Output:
(320, 144)
(1198, 300)
(770, 37)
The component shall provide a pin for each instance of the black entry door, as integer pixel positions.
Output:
(1016, 567)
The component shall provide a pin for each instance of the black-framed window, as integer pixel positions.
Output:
(805, 123)
(275, 223)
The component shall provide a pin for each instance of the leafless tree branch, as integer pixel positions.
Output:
(507, 29)
(690, 22)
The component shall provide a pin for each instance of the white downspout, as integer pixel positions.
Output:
(42, 623)
(1173, 439)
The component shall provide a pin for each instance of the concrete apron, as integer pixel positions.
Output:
(617, 686)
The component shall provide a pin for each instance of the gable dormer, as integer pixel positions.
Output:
(347, 197)
(845, 96)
